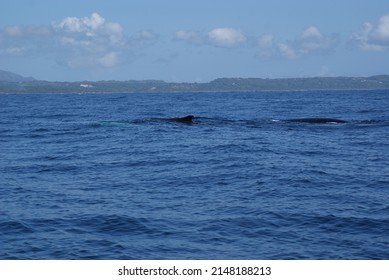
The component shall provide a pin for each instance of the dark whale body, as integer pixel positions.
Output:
(186, 119)
(317, 120)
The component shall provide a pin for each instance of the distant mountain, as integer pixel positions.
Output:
(19, 84)
(10, 77)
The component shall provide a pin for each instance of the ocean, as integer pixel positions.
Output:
(109, 176)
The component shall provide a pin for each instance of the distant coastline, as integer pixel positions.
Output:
(29, 85)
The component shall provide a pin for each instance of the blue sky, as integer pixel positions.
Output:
(194, 41)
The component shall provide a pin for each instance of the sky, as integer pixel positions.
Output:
(193, 40)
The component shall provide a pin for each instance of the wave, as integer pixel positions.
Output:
(103, 224)
(14, 227)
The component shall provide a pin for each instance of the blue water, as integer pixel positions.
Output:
(107, 177)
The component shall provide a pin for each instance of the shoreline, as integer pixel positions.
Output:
(223, 85)
(198, 92)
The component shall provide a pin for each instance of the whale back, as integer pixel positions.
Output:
(317, 120)
(187, 119)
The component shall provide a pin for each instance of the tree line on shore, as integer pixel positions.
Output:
(218, 85)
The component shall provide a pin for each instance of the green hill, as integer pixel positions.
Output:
(10, 77)
(12, 83)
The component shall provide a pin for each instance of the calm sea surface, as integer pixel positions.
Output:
(108, 177)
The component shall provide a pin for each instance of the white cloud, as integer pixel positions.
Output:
(12, 51)
(23, 40)
(373, 36)
(78, 42)
(383, 28)
(90, 41)
(313, 40)
(287, 51)
(109, 60)
(189, 36)
(226, 37)
(266, 40)
(94, 22)
(310, 41)
(73, 24)
(146, 35)
(115, 32)
(32, 32)
(312, 32)
(13, 31)
(94, 29)
(143, 38)
(219, 37)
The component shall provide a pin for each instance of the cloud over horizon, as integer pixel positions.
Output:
(78, 42)
(223, 37)
(96, 42)
(90, 41)
(17, 41)
(310, 41)
(373, 36)
(189, 36)
(226, 37)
